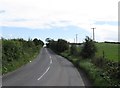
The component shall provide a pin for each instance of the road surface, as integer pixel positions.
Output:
(48, 69)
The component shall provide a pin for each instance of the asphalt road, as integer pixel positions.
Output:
(48, 69)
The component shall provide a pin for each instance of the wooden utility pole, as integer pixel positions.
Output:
(93, 34)
(76, 38)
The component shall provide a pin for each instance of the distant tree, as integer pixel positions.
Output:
(62, 45)
(53, 45)
(58, 46)
(88, 49)
(38, 42)
(48, 40)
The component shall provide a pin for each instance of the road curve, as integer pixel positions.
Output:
(48, 69)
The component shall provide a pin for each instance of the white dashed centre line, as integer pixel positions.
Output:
(47, 68)
(44, 73)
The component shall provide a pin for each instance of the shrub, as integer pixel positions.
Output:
(62, 45)
(73, 50)
(111, 70)
(99, 61)
(88, 49)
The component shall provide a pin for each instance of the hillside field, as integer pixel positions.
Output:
(110, 51)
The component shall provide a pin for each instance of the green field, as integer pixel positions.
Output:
(110, 51)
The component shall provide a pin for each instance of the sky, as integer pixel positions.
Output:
(59, 19)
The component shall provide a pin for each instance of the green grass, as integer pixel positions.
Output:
(110, 51)
(94, 73)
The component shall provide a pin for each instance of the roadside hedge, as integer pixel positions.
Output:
(16, 52)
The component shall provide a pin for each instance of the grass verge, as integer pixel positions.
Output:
(96, 75)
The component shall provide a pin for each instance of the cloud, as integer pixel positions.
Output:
(106, 32)
(19, 20)
(45, 14)
(114, 23)
(2, 11)
(52, 10)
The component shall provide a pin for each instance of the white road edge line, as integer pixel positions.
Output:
(44, 73)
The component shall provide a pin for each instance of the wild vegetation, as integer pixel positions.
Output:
(98, 60)
(17, 52)
(58, 46)
(88, 49)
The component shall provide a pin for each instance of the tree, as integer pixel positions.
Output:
(38, 42)
(58, 46)
(48, 40)
(73, 50)
(62, 45)
(88, 49)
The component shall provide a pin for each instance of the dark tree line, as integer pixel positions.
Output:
(112, 42)
(38, 42)
(58, 46)
(88, 47)
(14, 48)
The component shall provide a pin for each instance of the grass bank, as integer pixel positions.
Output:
(103, 72)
